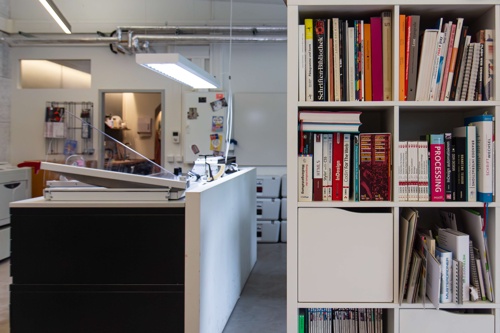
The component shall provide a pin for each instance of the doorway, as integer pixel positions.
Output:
(131, 119)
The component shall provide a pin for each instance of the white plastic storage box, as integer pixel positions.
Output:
(283, 209)
(283, 231)
(283, 186)
(268, 208)
(268, 231)
(268, 186)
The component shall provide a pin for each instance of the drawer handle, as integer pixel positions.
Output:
(12, 185)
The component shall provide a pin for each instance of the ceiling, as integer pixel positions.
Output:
(89, 16)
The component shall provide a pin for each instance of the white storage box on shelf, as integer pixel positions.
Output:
(268, 186)
(283, 231)
(268, 231)
(268, 208)
(283, 215)
(283, 186)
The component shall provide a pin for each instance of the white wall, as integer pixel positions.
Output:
(5, 86)
(255, 67)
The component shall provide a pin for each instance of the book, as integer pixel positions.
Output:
(320, 68)
(423, 170)
(305, 177)
(407, 230)
(467, 136)
(329, 127)
(449, 54)
(485, 145)
(308, 26)
(446, 259)
(302, 62)
(338, 156)
(414, 273)
(461, 53)
(474, 225)
(351, 65)
(433, 278)
(336, 59)
(458, 243)
(318, 167)
(377, 63)
(454, 56)
(367, 50)
(438, 54)
(429, 41)
(327, 166)
(365, 167)
(387, 54)
(355, 166)
(437, 167)
(448, 175)
(403, 171)
(412, 50)
(329, 66)
(336, 117)
(402, 57)
(346, 167)
(480, 278)
(488, 64)
(413, 172)
(459, 142)
(358, 60)
(442, 60)
(458, 283)
(464, 74)
(474, 275)
(469, 93)
(479, 82)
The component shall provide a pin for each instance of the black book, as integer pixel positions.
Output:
(460, 158)
(320, 60)
(458, 64)
(448, 166)
(342, 65)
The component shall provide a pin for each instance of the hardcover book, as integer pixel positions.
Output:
(320, 58)
(318, 167)
(308, 24)
(305, 177)
(412, 56)
(377, 63)
(387, 54)
(338, 156)
(423, 170)
(346, 167)
(437, 167)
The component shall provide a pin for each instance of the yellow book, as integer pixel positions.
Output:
(387, 54)
(308, 23)
(368, 61)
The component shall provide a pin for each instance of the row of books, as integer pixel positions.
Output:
(452, 166)
(344, 166)
(351, 60)
(342, 60)
(447, 262)
(454, 65)
(325, 320)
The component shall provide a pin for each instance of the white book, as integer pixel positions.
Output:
(302, 63)
(442, 61)
(474, 71)
(346, 165)
(308, 23)
(318, 165)
(403, 171)
(412, 170)
(429, 42)
(445, 257)
(423, 170)
(327, 166)
(438, 53)
(351, 65)
(484, 143)
(458, 243)
(305, 177)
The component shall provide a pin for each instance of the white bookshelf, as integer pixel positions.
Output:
(406, 121)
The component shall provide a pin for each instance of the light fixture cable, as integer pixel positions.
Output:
(229, 118)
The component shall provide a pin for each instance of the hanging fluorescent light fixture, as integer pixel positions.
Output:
(57, 15)
(178, 68)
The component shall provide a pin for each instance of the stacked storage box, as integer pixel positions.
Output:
(268, 208)
(283, 209)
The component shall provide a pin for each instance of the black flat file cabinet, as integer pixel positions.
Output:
(97, 269)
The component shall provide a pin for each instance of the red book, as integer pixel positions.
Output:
(377, 63)
(365, 167)
(437, 167)
(337, 161)
(381, 166)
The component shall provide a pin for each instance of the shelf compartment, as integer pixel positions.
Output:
(345, 256)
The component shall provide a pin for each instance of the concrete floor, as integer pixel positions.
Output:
(261, 307)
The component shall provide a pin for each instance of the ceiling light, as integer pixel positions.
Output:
(57, 15)
(177, 68)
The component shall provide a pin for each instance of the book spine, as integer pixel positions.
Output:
(435, 66)
(302, 62)
(423, 170)
(446, 260)
(489, 73)
(462, 48)
(377, 64)
(336, 59)
(367, 45)
(403, 171)
(318, 167)
(446, 68)
(327, 166)
(460, 149)
(346, 164)
(413, 56)
(365, 167)
(412, 171)
(448, 168)
(329, 65)
(484, 163)
(463, 79)
(454, 55)
(351, 65)
(471, 158)
(471, 92)
(387, 54)
(479, 82)
(320, 60)
(355, 166)
(437, 167)
(401, 53)
(308, 25)
(381, 166)
(474, 275)
(305, 178)
(338, 152)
